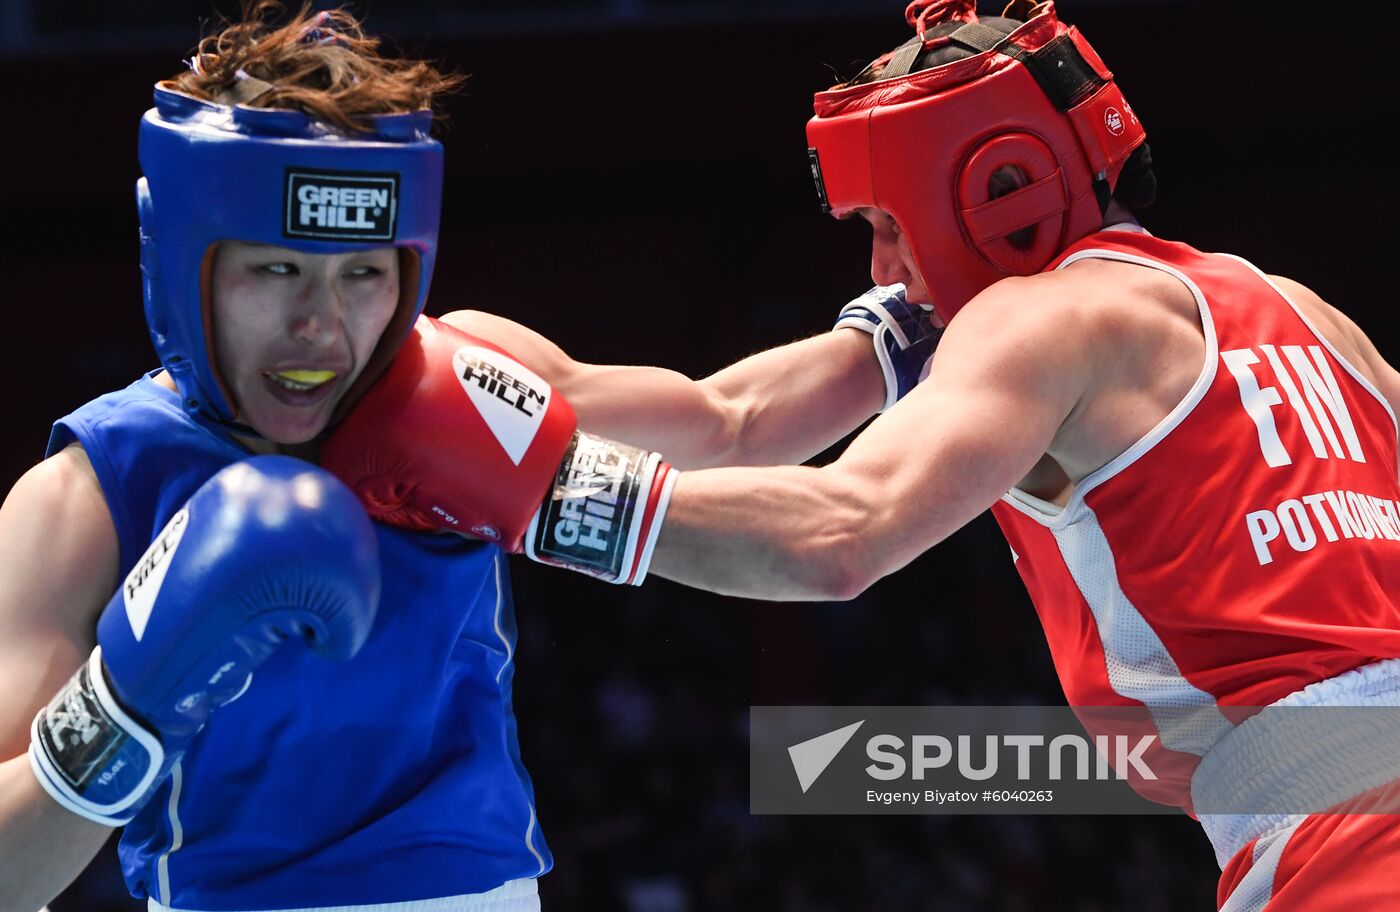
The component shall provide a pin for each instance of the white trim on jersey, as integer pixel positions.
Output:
(496, 618)
(496, 562)
(1139, 666)
(514, 896)
(177, 831)
(530, 841)
(1054, 517)
(1347, 365)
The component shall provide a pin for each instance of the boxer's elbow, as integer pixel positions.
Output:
(835, 578)
(834, 559)
(845, 569)
(739, 419)
(750, 432)
(716, 429)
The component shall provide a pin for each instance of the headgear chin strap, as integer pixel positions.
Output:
(924, 147)
(217, 172)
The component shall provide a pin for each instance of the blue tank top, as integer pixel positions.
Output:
(392, 777)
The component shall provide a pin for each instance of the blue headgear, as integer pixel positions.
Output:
(216, 172)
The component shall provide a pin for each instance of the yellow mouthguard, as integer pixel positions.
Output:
(306, 376)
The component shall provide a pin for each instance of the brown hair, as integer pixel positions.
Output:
(322, 64)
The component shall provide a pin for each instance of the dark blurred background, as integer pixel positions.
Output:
(629, 178)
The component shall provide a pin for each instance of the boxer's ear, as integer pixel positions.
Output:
(1008, 179)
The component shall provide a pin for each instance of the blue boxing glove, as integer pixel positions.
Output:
(903, 334)
(268, 550)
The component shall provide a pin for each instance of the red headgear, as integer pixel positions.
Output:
(924, 146)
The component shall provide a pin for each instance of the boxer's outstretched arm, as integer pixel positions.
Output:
(58, 565)
(1007, 375)
(783, 405)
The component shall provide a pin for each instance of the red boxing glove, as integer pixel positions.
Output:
(458, 435)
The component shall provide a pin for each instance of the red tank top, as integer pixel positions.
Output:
(1247, 546)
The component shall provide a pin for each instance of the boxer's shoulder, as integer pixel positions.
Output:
(1065, 315)
(494, 328)
(1344, 335)
(1335, 326)
(1115, 345)
(1113, 296)
(1127, 320)
(525, 345)
(62, 490)
(55, 525)
(58, 566)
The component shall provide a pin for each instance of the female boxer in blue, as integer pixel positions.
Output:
(289, 214)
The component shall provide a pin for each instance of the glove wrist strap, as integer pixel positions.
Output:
(89, 754)
(601, 515)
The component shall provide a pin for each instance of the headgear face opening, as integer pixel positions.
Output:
(928, 148)
(216, 173)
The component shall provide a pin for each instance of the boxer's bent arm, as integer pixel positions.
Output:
(58, 566)
(783, 405)
(1008, 374)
